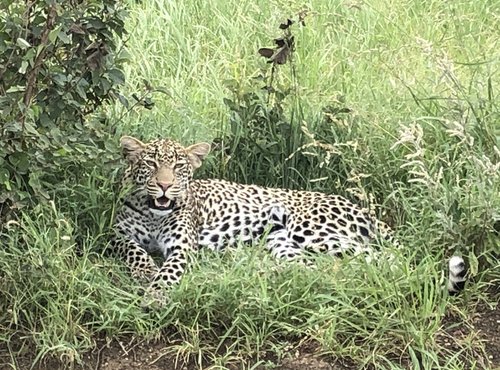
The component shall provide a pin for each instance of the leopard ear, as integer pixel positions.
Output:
(197, 153)
(132, 147)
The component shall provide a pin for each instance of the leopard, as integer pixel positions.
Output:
(167, 211)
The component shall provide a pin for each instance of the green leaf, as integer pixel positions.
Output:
(81, 88)
(64, 37)
(123, 100)
(24, 66)
(116, 76)
(30, 55)
(34, 181)
(97, 23)
(20, 161)
(39, 49)
(17, 88)
(22, 43)
(4, 177)
(54, 33)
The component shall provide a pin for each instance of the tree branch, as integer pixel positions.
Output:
(33, 72)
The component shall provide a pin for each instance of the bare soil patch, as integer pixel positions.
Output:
(487, 323)
(483, 326)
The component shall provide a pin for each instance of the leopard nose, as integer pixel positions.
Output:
(163, 185)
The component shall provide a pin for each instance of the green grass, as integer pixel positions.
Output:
(371, 53)
(421, 141)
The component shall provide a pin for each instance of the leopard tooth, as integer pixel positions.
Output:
(160, 212)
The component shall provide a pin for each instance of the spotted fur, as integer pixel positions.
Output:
(167, 211)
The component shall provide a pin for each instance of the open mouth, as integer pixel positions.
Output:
(161, 203)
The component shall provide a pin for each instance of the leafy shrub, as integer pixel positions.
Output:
(59, 62)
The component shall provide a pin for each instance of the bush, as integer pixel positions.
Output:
(59, 62)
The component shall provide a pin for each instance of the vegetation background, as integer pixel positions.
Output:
(393, 104)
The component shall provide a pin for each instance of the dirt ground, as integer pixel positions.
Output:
(148, 356)
(135, 355)
(487, 323)
(484, 326)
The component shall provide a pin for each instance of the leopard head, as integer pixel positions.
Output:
(163, 168)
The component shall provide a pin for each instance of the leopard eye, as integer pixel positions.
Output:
(179, 165)
(151, 163)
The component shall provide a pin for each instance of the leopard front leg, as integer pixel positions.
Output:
(176, 247)
(139, 262)
(172, 269)
(168, 275)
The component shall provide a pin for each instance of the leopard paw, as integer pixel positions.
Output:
(144, 274)
(155, 297)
